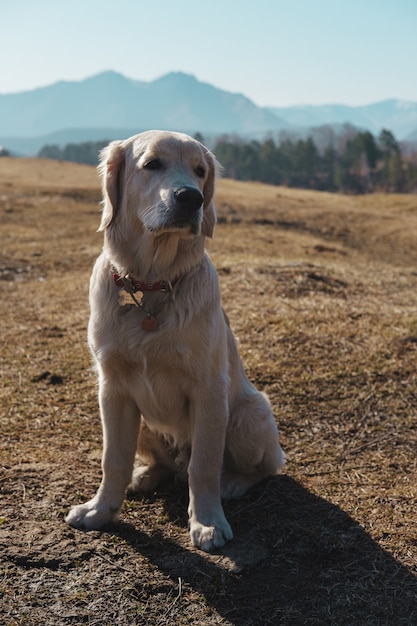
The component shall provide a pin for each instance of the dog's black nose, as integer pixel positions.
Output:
(189, 198)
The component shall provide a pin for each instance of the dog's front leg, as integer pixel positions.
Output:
(209, 527)
(120, 421)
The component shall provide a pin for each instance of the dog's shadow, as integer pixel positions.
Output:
(295, 559)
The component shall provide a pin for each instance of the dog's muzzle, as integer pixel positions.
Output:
(186, 212)
(181, 210)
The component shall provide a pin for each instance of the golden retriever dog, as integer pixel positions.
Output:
(171, 384)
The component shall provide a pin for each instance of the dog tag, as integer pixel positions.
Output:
(126, 298)
(149, 323)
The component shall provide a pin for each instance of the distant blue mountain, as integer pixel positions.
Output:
(176, 101)
(398, 116)
(109, 106)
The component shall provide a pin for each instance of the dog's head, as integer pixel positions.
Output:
(160, 182)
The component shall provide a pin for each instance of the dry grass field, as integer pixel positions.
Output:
(321, 291)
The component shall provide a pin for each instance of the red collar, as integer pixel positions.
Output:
(138, 285)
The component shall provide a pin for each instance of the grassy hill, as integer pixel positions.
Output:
(321, 291)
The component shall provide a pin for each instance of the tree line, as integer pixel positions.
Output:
(87, 152)
(349, 162)
(354, 162)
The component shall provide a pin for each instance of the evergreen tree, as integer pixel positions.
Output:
(392, 175)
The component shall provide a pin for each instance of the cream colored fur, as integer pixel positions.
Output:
(177, 396)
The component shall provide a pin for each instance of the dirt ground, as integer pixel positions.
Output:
(321, 291)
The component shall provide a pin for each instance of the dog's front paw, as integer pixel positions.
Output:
(91, 516)
(208, 538)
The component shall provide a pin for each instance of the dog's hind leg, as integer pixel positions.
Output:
(252, 450)
(157, 462)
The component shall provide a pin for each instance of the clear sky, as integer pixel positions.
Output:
(276, 52)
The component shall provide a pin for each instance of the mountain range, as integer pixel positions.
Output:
(110, 105)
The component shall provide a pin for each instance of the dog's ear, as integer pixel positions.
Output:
(111, 169)
(209, 212)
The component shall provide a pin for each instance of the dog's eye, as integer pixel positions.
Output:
(200, 171)
(153, 164)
